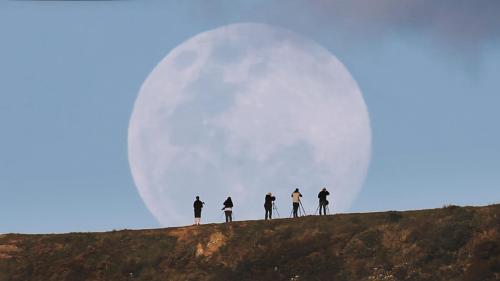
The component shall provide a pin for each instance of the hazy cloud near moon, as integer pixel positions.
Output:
(461, 24)
(243, 110)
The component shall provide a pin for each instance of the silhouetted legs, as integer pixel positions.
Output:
(229, 216)
(269, 211)
(322, 205)
(295, 209)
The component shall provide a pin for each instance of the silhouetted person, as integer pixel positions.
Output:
(268, 205)
(322, 200)
(228, 209)
(296, 202)
(197, 205)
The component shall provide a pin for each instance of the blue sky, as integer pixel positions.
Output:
(70, 73)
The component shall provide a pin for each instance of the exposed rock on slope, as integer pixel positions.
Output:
(451, 243)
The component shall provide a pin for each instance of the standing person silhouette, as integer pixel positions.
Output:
(197, 205)
(322, 200)
(296, 202)
(268, 205)
(228, 209)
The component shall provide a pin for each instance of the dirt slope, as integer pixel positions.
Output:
(452, 243)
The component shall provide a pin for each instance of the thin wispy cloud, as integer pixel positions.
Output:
(461, 24)
(465, 24)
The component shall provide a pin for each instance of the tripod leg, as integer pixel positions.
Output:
(303, 210)
(276, 209)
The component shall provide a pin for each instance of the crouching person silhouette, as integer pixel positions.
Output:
(228, 209)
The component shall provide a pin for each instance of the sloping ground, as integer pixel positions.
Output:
(452, 243)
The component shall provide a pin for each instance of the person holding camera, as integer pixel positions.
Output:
(322, 200)
(197, 205)
(296, 202)
(228, 209)
(268, 205)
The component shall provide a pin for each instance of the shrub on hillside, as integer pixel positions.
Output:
(486, 249)
(485, 263)
(394, 216)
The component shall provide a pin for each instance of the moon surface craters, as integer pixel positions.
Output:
(243, 110)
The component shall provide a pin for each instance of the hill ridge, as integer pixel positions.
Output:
(450, 243)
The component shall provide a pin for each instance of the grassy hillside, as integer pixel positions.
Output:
(452, 243)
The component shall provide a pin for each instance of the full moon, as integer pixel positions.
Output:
(243, 110)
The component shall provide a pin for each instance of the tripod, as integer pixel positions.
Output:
(327, 210)
(276, 209)
(302, 211)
